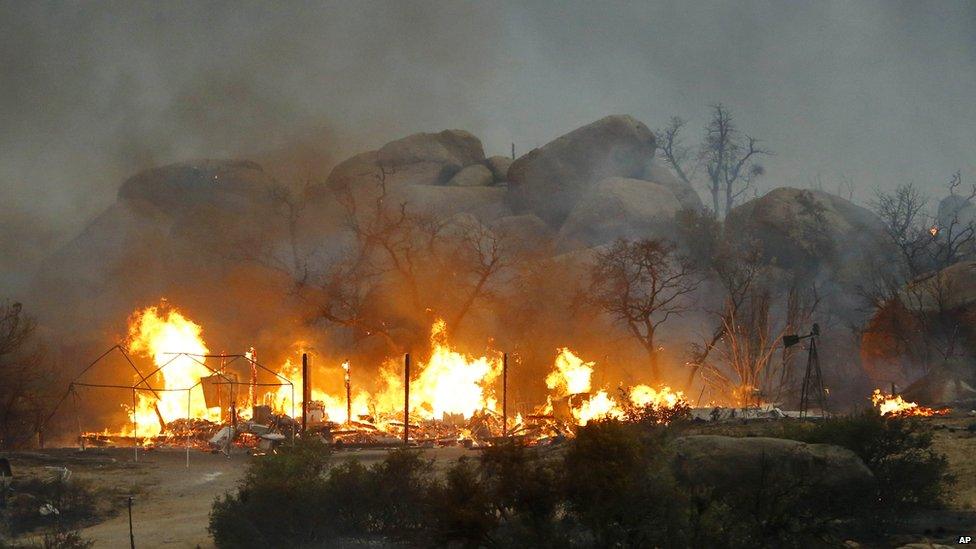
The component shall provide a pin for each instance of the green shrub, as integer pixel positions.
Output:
(910, 474)
(461, 507)
(278, 502)
(620, 489)
(611, 486)
(526, 492)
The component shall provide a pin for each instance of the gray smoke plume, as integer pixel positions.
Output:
(878, 93)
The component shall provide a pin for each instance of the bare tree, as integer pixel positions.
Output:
(728, 157)
(902, 213)
(430, 266)
(682, 158)
(751, 335)
(737, 270)
(642, 284)
(917, 318)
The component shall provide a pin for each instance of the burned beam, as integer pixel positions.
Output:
(505, 392)
(406, 399)
(306, 385)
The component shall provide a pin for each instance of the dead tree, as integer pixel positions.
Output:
(728, 156)
(642, 284)
(751, 334)
(915, 317)
(682, 158)
(442, 268)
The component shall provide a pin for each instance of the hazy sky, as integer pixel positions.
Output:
(90, 92)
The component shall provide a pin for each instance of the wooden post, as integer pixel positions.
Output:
(305, 391)
(135, 429)
(188, 427)
(504, 394)
(513, 151)
(132, 537)
(81, 437)
(406, 399)
(345, 366)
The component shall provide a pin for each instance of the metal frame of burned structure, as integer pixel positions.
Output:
(191, 431)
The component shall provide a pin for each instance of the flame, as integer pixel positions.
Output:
(334, 407)
(643, 395)
(447, 385)
(159, 334)
(894, 405)
(571, 376)
(449, 382)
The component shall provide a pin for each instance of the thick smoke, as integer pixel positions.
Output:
(878, 93)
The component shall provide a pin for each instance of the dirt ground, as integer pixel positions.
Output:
(953, 439)
(172, 502)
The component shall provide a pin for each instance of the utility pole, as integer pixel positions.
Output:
(406, 399)
(345, 366)
(504, 395)
(306, 384)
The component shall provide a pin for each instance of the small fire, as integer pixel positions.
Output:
(894, 405)
(571, 376)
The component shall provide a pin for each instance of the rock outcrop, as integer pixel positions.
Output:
(499, 167)
(418, 159)
(442, 202)
(732, 464)
(618, 207)
(684, 192)
(951, 383)
(548, 181)
(192, 185)
(809, 230)
(475, 175)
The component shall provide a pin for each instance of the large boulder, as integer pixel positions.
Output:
(952, 382)
(809, 231)
(418, 159)
(177, 231)
(685, 193)
(732, 464)
(618, 207)
(499, 166)
(475, 175)
(442, 202)
(951, 288)
(549, 180)
(449, 147)
(526, 232)
(956, 210)
(191, 185)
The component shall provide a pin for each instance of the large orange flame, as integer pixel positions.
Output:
(449, 382)
(161, 334)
